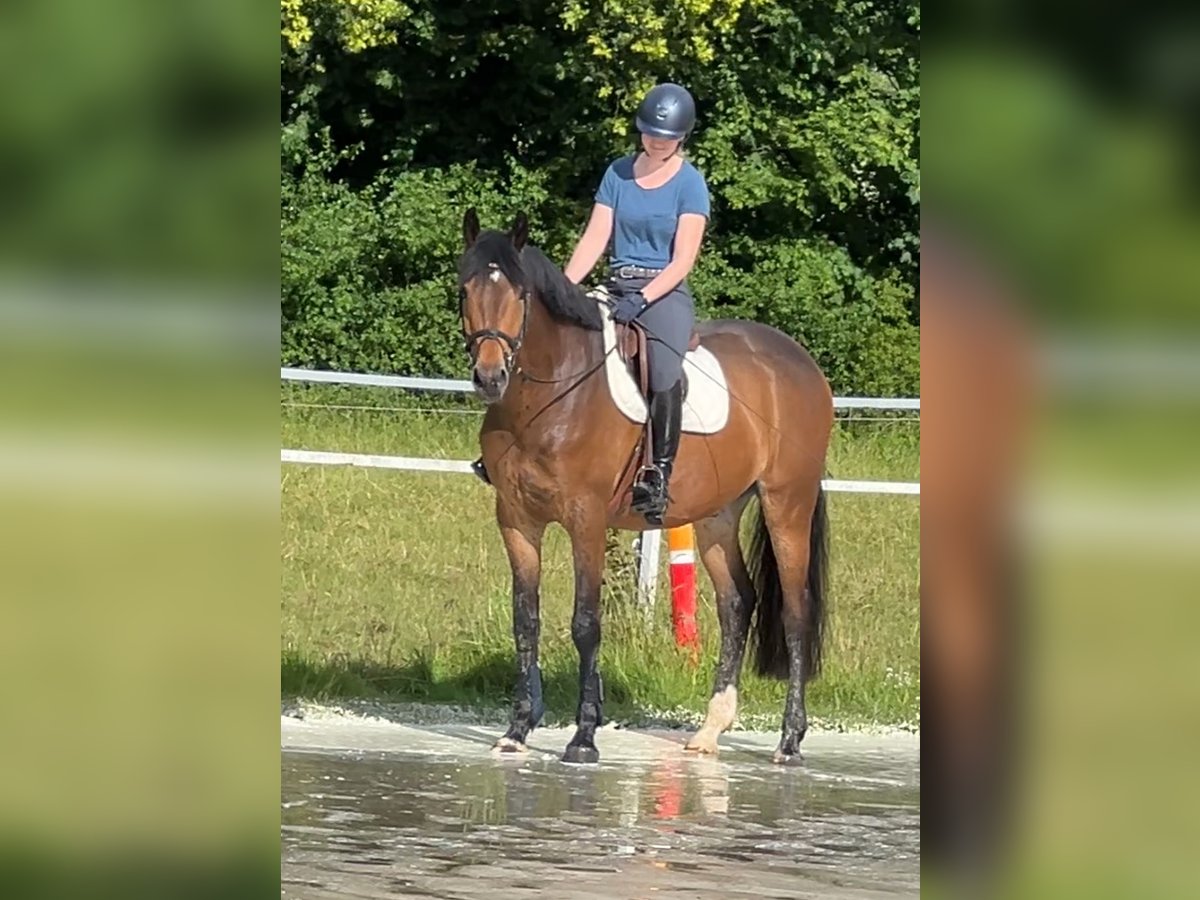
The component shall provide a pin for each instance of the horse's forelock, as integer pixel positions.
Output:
(492, 249)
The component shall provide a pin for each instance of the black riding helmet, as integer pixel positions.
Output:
(668, 111)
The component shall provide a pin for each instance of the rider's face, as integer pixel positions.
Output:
(659, 148)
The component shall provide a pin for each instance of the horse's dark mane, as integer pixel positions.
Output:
(530, 270)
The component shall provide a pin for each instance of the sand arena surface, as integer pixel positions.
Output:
(377, 808)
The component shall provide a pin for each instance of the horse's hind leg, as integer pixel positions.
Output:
(790, 586)
(722, 557)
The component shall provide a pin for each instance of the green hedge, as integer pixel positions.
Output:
(394, 125)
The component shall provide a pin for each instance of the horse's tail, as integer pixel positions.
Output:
(771, 652)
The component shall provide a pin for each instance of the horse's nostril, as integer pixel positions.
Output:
(490, 382)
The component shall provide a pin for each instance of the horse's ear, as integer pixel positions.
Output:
(519, 233)
(470, 227)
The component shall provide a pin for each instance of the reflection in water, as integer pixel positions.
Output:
(385, 824)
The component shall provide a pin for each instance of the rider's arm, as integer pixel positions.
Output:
(688, 235)
(591, 245)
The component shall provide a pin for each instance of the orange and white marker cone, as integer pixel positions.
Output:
(681, 544)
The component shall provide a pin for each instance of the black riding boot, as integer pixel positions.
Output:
(666, 418)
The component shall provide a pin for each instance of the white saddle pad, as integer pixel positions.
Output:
(706, 403)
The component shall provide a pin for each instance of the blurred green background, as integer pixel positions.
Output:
(1059, 149)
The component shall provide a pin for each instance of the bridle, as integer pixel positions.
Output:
(509, 344)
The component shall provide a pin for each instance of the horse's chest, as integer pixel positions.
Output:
(520, 479)
(544, 471)
(533, 488)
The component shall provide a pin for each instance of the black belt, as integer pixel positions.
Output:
(634, 272)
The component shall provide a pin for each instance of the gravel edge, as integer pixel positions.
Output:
(412, 713)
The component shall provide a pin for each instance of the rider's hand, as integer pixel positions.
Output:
(628, 307)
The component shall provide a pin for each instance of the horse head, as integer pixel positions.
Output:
(493, 302)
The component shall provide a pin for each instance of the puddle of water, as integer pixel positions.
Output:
(386, 824)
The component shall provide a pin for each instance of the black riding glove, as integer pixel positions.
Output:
(628, 307)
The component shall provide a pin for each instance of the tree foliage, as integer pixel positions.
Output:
(396, 114)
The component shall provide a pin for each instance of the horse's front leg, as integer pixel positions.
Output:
(587, 543)
(523, 542)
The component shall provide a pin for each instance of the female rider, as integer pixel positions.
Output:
(654, 206)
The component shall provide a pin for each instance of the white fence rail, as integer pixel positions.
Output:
(420, 464)
(455, 385)
(417, 464)
(392, 381)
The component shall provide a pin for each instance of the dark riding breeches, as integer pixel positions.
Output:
(669, 321)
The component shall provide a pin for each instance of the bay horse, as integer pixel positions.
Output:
(555, 447)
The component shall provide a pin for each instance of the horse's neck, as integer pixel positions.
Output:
(555, 355)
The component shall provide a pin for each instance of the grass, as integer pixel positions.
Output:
(395, 585)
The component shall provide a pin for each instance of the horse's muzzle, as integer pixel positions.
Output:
(490, 384)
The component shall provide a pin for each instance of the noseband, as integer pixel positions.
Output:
(510, 344)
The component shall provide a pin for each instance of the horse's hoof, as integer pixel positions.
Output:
(787, 759)
(508, 745)
(581, 753)
(701, 745)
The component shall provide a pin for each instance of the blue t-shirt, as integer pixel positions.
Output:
(644, 220)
